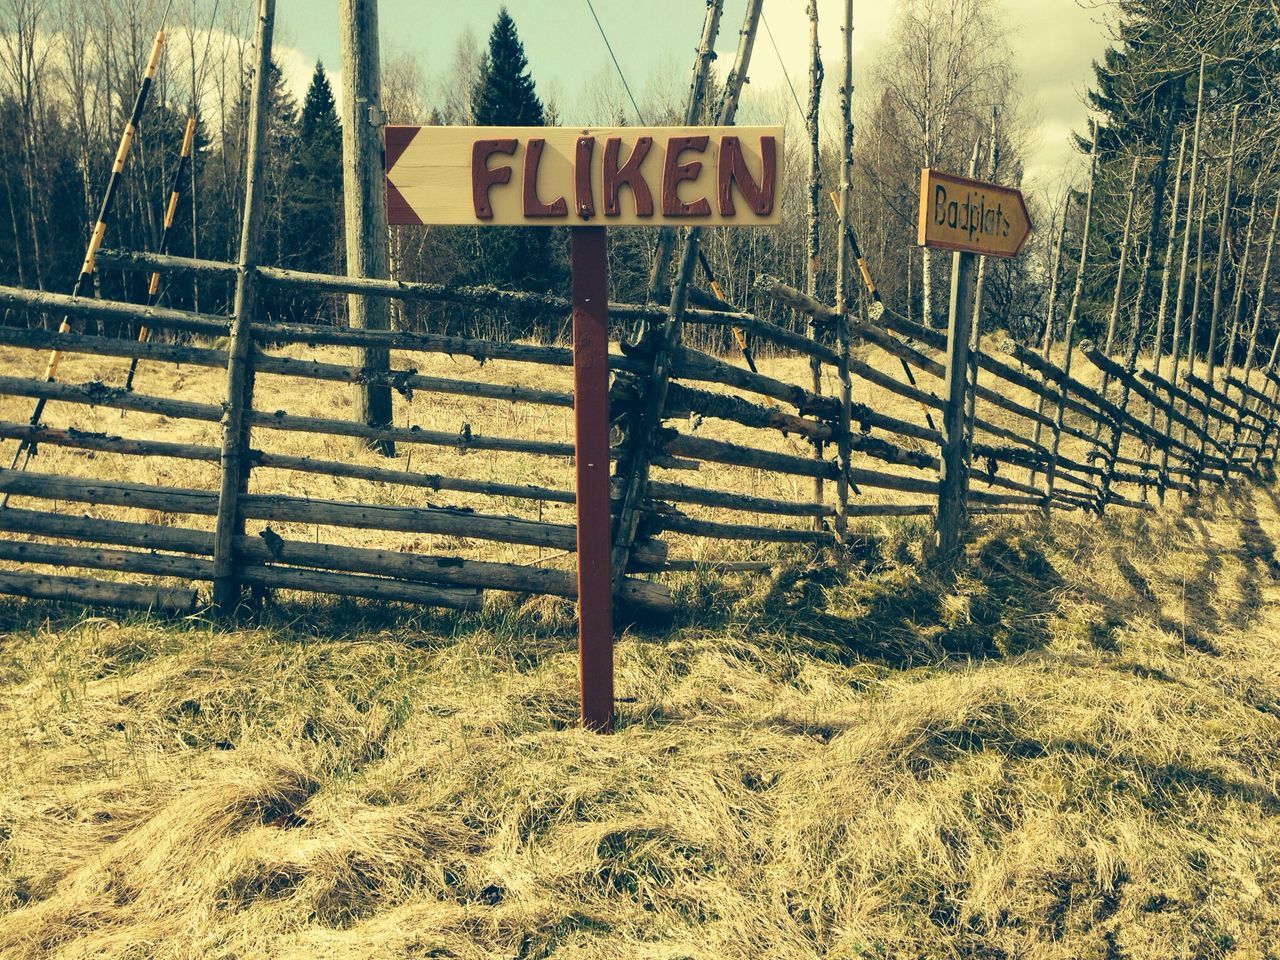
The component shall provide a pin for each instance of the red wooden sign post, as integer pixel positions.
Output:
(584, 179)
(590, 263)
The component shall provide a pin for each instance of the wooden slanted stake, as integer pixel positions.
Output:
(1073, 313)
(843, 443)
(1046, 342)
(99, 231)
(813, 232)
(1114, 319)
(235, 464)
(170, 211)
(665, 244)
(1162, 312)
(975, 332)
(1211, 358)
(639, 453)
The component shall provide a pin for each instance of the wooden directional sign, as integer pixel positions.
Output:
(971, 216)
(562, 176)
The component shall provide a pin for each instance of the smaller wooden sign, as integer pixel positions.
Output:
(563, 176)
(957, 213)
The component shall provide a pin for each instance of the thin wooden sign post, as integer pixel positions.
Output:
(586, 179)
(953, 479)
(969, 217)
(590, 264)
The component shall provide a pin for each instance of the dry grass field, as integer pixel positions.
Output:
(1065, 747)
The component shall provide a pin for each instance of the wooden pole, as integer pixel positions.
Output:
(665, 244)
(171, 209)
(1242, 276)
(235, 431)
(975, 331)
(636, 457)
(1072, 315)
(99, 231)
(814, 233)
(589, 246)
(1163, 311)
(953, 476)
(1114, 319)
(365, 198)
(843, 444)
(1223, 228)
(1046, 341)
(1175, 351)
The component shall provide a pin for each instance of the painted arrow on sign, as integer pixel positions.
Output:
(579, 176)
(957, 213)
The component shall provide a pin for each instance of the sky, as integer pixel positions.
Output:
(1054, 44)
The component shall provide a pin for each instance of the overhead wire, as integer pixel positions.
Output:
(617, 66)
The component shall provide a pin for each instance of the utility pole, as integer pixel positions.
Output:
(365, 202)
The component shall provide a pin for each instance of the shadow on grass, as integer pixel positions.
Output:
(878, 601)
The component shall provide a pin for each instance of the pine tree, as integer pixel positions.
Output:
(524, 258)
(505, 95)
(314, 211)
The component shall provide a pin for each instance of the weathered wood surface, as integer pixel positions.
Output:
(445, 570)
(86, 591)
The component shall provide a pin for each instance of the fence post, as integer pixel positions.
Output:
(235, 434)
(953, 482)
(365, 202)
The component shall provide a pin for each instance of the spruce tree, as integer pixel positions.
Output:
(315, 204)
(505, 95)
(520, 258)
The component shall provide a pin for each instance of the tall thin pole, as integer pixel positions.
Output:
(1224, 225)
(365, 203)
(1046, 341)
(814, 224)
(1114, 319)
(843, 445)
(975, 329)
(1072, 316)
(1175, 351)
(665, 244)
(1163, 311)
(235, 431)
(1237, 298)
(170, 211)
(26, 447)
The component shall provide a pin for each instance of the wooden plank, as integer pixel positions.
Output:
(971, 216)
(445, 570)
(97, 558)
(357, 585)
(155, 318)
(88, 592)
(520, 176)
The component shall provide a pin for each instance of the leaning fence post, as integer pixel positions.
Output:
(234, 464)
(1051, 471)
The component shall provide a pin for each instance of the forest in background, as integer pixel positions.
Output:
(69, 70)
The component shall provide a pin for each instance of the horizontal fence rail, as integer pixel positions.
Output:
(739, 455)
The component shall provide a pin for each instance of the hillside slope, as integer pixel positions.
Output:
(1070, 749)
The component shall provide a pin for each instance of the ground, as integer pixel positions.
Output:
(1065, 746)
